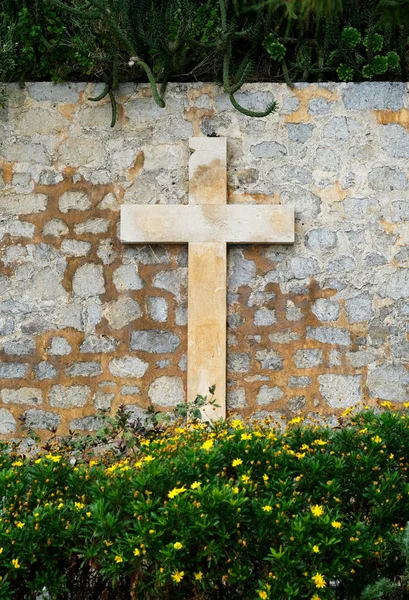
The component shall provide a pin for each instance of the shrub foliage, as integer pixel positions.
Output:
(210, 512)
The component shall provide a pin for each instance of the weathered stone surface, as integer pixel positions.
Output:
(174, 281)
(388, 382)
(299, 382)
(238, 362)
(299, 132)
(158, 309)
(128, 366)
(361, 358)
(41, 419)
(84, 369)
(69, 396)
(46, 284)
(395, 141)
(55, 227)
(154, 340)
(166, 391)
(23, 346)
(90, 423)
(74, 201)
(103, 400)
(95, 344)
(130, 390)
(329, 335)
(263, 317)
(236, 398)
(12, 370)
(359, 308)
(268, 394)
(387, 179)
(269, 359)
(241, 271)
(320, 239)
(92, 226)
(379, 96)
(326, 310)
(303, 267)
(75, 247)
(88, 281)
(268, 150)
(340, 391)
(59, 347)
(120, 313)
(45, 370)
(395, 285)
(341, 264)
(126, 277)
(24, 395)
(22, 204)
(7, 422)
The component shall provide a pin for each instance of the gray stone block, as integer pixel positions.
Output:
(359, 308)
(75, 248)
(95, 344)
(241, 271)
(94, 226)
(304, 267)
(319, 106)
(299, 382)
(340, 391)
(120, 313)
(299, 132)
(181, 315)
(267, 394)
(12, 370)
(238, 362)
(128, 366)
(154, 340)
(69, 396)
(130, 390)
(55, 227)
(264, 317)
(59, 347)
(7, 422)
(374, 95)
(88, 281)
(166, 391)
(45, 370)
(387, 179)
(388, 382)
(55, 92)
(337, 128)
(326, 310)
(173, 281)
(90, 423)
(296, 404)
(395, 285)
(23, 346)
(84, 369)
(365, 209)
(41, 419)
(320, 239)
(361, 358)
(46, 284)
(268, 150)
(342, 264)
(236, 398)
(103, 400)
(395, 141)
(23, 395)
(269, 359)
(22, 204)
(157, 309)
(74, 201)
(329, 335)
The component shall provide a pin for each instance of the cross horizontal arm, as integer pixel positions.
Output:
(234, 223)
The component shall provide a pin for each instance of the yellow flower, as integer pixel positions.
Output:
(336, 524)
(199, 576)
(60, 505)
(177, 576)
(246, 436)
(235, 490)
(262, 594)
(19, 524)
(236, 462)
(320, 442)
(88, 514)
(315, 549)
(1, 550)
(237, 424)
(149, 458)
(317, 510)
(295, 421)
(136, 552)
(208, 445)
(15, 563)
(108, 543)
(315, 597)
(177, 546)
(79, 505)
(138, 464)
(195, 485)
(267, 508)
(176, 491)
(376, 439)
(38, 461)
(265, 477)
(245, 478)
(17, 463)
(92, 463)
(118, 559)
(319, 581)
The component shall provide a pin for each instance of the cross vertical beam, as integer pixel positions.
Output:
(206, 363)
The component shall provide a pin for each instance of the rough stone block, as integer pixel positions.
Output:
(130, 390)
(90, 423)
(59, 347)
(267, 394)
(387, 179)
(320, 239)
(341, 264)
(374, 95)
(297, 404)
(268, 150)
(7, 422)
(94, 226)
(74, 201)
(88, 281)
(299, 382)
(340, 391)
(12, 370)
(242, 272)
(154, 341)
(166, 391)
(263, 317)
(55, 227)
(395, 285)
(329, 335)
(236, 398)
(304, 267)
(95, 344)
(238, 362)
(41, 419)
(126, 277)
(103, 400)
(23, 346)
(359, 308)
(128, 366)
(326, 310)
(45, 370)
(75, 248)
(22, 204)
(84, 369)
(23, 395)
(157, 309)
(361, 358)
(69, 396)
(388, 382)
(299, 132)
(174, 281)
(120, 313)
(269, 359)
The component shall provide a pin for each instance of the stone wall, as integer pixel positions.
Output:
(87, 323)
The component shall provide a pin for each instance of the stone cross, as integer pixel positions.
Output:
(207, 224)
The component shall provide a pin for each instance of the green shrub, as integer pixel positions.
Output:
(227, 511)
